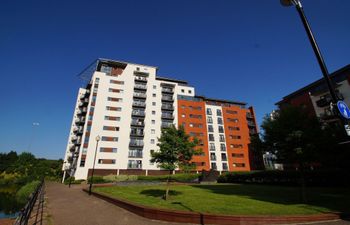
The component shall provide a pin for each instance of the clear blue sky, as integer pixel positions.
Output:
(254, 51)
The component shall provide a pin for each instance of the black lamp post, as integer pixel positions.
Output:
(93, 166)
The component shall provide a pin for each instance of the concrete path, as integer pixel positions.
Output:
(72, 206)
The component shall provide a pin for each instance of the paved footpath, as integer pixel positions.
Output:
(72, 206)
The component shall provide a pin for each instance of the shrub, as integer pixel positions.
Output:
(97, 180)
(185, 177)
(24, 192)
(116, 178)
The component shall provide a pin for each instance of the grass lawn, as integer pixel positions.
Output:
(240, 199)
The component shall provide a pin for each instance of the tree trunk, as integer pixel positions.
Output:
(166, 196)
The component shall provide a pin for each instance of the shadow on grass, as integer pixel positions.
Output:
(332, 199)
(159, 192)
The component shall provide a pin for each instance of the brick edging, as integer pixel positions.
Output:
(205, 218)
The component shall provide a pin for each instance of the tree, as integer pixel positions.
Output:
(175, 150)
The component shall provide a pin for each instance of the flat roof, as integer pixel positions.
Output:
(123, 62)
(314, 84)
(221, 100)
(171, 80)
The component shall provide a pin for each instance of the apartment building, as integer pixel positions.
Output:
(315, 97)
(127, 105)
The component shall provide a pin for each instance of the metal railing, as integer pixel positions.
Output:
(25, 213)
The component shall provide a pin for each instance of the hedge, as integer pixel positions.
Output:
(312, 178)
(175, 177)
(24, 192)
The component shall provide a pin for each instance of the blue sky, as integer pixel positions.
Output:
(254, 51)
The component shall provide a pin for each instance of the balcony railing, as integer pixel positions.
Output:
(139, 104)
(213, 158)
(224, 158)
(136, 143)
(167, 116)
(166, 125)
(140, 86)
(222, 149)
(135, 154)
(139, 95)
(251, 124)
(137, 133)
(134, 166)
(250, 116)
(137, 123)
(167, 90)
(141, 79)
(138, 113)
(168, 107)
(212, 149)
(167, 98)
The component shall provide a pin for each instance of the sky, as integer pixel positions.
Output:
(253, 51)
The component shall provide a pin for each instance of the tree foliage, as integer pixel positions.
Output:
(175, 149)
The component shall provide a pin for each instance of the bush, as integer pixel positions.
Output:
(97, 180)
(313, 178)
(175, 177)
(74, 181)
(115, 178)
(24, 192)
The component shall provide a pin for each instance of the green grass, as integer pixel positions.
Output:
(236, 199)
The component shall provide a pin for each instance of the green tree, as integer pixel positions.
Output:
(175, 150)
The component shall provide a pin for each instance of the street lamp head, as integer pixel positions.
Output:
(98, 138)
(290, 2)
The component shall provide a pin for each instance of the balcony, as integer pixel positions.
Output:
(135, 154)
(324, 102)
(168, 90)
(132, 164)
(167, 98)
(212, 149)
(84, 110)
(222, 149)
(139, 104)
(137, 133)
(251, 124)
(166, 125)
(140, 87)
(167, 107)
(249, 116)
(223, 158)
(79, 112)
(75, 129)
(138, 113)
(141, 79)
(139, 95)
(167, 116)
(213, 158)
(137, 123)
(136, 143)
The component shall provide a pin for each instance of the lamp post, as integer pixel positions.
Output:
(93, 166)
(335, 99)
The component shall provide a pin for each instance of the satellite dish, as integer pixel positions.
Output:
(286, 2)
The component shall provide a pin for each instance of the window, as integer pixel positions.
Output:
(195, 116)
(111, 128)
(218, 112)
(154, 95)
(238, 155)
(183, 115)
(223, 157)
(219, 120)
(222, 138)
(212, 146)
(238, 165)
(115, 90)
(153, 122)
(233, 128)
(153, 112)
(233, 120)
(111, 150)
(191, 125)
(210, 119)
(105, 138)
(231, 112)
(211, 137)
(189, 91)
(135, 164)
(235, 137)
(222, 147)
(154, 86)
(221, 129)
(154, 103)
(152, 141)
(106, 161)
(224, 166)
(153, 131)
(209, 111)
(116, 82)
(182, 90)
(114, 99)
(236, 146)
(212, 156)
(210, 128)
(114, 118)
(106, 69)
(110, 108)
(213, 166)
